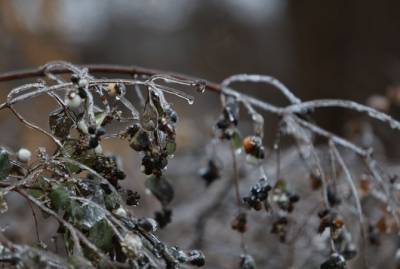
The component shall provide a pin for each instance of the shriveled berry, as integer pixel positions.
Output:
(100, 131)
(132, 198)
(93, 142)
(82, 93)
(148, 224)
(132, 130)
(92, 129)
(240, 223)
(74, 78)
(196, 258)
(140, 141)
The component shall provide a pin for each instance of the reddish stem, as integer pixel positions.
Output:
(105, 69)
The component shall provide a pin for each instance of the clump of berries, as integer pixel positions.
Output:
(258, 194)
(335, 261)
(283, 198)
(155, 140)
(228, 120)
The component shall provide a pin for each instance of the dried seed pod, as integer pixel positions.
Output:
(332, 220)
(382, 226)
(279, 227)
(315, 181)
(240, 223)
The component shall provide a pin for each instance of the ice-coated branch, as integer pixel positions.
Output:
(256, 78)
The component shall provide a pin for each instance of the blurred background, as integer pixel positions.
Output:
(334, 49)
(338, 49)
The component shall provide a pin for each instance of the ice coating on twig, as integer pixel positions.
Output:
(255, 78)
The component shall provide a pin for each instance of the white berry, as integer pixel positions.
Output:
(98, 150)
(83, 127)
(24, 155)
(121, 212)
(83, 83)
(73, 100)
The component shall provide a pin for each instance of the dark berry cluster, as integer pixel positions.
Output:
(335, 261)
(258, 194)
(194, 257)
(228, 120)
(132, 198)
(95, 135)
(157, 141)
(81, 84)
(107, 166)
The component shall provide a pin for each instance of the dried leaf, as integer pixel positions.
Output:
(149, 117)
(60, 123)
